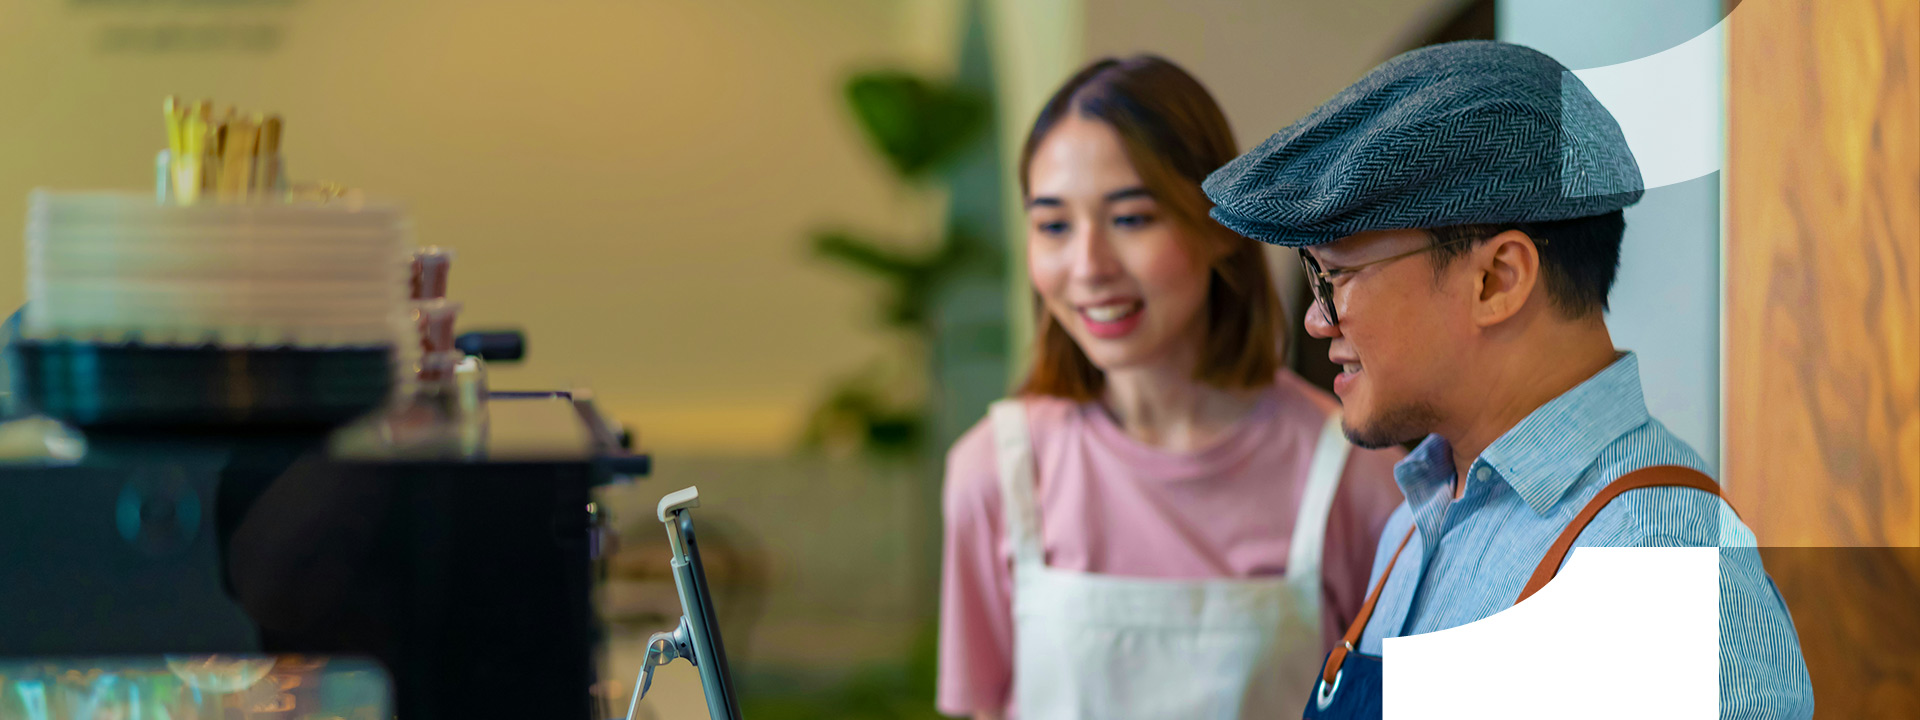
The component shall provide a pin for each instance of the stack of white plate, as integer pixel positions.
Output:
(121, 268)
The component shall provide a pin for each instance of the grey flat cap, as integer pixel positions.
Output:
(1462, 133)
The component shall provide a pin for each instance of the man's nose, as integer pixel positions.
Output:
(1316, 321)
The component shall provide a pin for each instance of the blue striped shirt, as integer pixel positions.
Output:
(1470, 557)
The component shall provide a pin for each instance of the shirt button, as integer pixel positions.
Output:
(1483, 473)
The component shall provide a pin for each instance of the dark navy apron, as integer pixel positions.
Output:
(1350, 681)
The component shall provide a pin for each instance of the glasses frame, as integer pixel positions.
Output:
(1320, 281)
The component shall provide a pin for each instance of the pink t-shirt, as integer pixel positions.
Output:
(1111, 505)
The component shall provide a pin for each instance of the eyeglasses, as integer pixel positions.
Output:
(1322, 280)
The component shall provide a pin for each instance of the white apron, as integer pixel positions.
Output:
(1109, 647)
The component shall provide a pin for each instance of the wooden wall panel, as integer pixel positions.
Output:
(1823, 271)
(1857, 611)
(1822, 344)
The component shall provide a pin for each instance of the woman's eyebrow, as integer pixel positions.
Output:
(1044, 202)
(1128, 193)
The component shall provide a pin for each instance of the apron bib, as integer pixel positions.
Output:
(1349, 686)
(1101, 646)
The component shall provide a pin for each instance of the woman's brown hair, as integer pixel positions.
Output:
(1174, 135)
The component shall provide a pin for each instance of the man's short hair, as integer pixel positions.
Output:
(1578, 262)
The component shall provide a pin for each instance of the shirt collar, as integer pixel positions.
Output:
(1546, 453)
(1424, 477)
(1543, 455)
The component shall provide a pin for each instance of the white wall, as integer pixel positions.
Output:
(1666, 303)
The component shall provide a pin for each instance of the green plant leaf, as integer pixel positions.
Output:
(857, 409)
(865, 255)
(916, 123)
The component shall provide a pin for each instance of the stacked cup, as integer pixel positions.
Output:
(119, 268)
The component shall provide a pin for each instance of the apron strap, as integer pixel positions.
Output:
(1656, 476)
(1013, 452)
(1352, 639)
(1316, 501)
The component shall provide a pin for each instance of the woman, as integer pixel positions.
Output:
(1164, 523)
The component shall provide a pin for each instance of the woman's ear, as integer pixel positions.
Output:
(1509, 269)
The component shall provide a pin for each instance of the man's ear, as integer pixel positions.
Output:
(1509, 269)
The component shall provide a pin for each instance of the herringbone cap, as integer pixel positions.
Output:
(1461, 133)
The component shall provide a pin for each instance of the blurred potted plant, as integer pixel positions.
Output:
(919, 127)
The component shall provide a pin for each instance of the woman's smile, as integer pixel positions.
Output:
(1111, 319)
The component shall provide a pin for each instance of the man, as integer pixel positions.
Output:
(1458, 211)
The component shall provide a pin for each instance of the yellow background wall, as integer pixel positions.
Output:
(631, 182)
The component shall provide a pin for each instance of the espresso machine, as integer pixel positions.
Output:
(239, 439)
(453, 547)
(248, 470)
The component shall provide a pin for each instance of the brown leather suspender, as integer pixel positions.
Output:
(1657, 476)
(1352, 640)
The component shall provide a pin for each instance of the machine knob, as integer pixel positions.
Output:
(493, 345)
